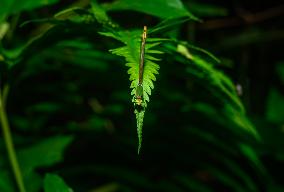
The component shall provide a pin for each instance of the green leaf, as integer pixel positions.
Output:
(13, 6)
(160, 8)
(252, 156)
(101, 15)
(139, 119)
(4, 27)
(131, 52)
(75, 14)
(275, 107)
(168, 24)
(229, 117)
(54, 183)
(239, 119)
(222, 88)
(186, 46)
(203, 9)
(45, 153)
(81, 53)
(6, 181)
(217, 79)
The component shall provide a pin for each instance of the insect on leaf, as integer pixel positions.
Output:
(142, 68)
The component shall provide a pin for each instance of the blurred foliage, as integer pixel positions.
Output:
(275, 111)
(53, 183)
(209, 126)
(11, 6)
(167, 8)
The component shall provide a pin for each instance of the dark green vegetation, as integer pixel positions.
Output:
(68, 77)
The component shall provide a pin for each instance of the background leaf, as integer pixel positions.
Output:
(12, 6)
(167, 8)
(275, 107)
(54, 183)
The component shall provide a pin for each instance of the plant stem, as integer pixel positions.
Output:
(9, 144)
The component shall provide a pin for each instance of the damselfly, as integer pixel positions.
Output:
(139, 88)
